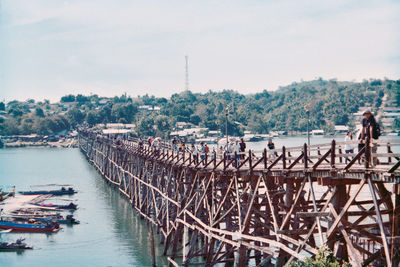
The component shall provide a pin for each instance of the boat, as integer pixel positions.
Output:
(41, 216)
(11, 246)
(69, 219)
(232, 139)
(317, 133)
(5, 195)
(70, 206)
(62, 191)
(30, 226)
(208, 140)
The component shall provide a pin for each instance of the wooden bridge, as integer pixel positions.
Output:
(260, 209)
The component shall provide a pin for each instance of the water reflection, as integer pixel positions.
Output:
(130, 229)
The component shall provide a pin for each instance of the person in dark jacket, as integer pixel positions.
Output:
(242, 148)
(370, 126)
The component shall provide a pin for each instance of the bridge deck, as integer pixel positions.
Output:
(321, 162)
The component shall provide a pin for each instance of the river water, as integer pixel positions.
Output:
(110, 233)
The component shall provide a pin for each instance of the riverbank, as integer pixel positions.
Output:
(67, 143)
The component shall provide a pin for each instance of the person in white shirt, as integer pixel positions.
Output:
(349, 148)
(236, 149)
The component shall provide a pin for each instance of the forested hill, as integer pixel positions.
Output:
(331, 103)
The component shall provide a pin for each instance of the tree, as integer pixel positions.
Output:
(82, 99)
(10, 127)
(324, 258)
(397, 94)
(39, 112)
(26, 126)
(396, 124)
(233, 128)
(16, 112)
(68, 98)
(2, 106)
(93, 118)
(146, 127)
(75, 116)
(195, 119)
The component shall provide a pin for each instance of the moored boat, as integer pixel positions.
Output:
(62, 191)
(5, 195)
(70, 206)
(29, 226)
(10, 246)
(43, 217)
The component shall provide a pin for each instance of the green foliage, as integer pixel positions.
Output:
(396, 124)
(16, 112)
(146, 127)
(68, 98)
(331, 102)
(162, 125)
(75, 116)
(195, 119)
(2, 106)
(81, 99)
(92, 118)
(324, 258)
(39, 112)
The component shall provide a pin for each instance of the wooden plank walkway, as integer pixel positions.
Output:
(251, 207)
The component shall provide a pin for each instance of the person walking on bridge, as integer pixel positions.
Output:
(271, 149)
(348, 147)
(242, 148)
(370, 130)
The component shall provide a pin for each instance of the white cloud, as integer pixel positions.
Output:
(50, 48)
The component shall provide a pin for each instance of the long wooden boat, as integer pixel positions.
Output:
(58, 218)
(29, 227)
(70, 206)
(59, 192)
(12, 246)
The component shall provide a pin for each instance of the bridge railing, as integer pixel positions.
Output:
(378, 154)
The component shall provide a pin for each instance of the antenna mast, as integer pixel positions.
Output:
(187, 73)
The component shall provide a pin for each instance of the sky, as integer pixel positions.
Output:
(50, 48)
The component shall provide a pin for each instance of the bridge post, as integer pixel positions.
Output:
(250, 160)
(265, 158)
(333, 154)
(215, 160)
(389, 151)
(305, 153)
(236, 160)
(395, 252)
(367, 153)
(283, 158)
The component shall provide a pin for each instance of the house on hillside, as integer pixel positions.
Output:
(104, 101)
(149, 108)
(183, 125)
(116, 132)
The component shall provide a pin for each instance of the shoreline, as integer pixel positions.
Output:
(65, 144)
